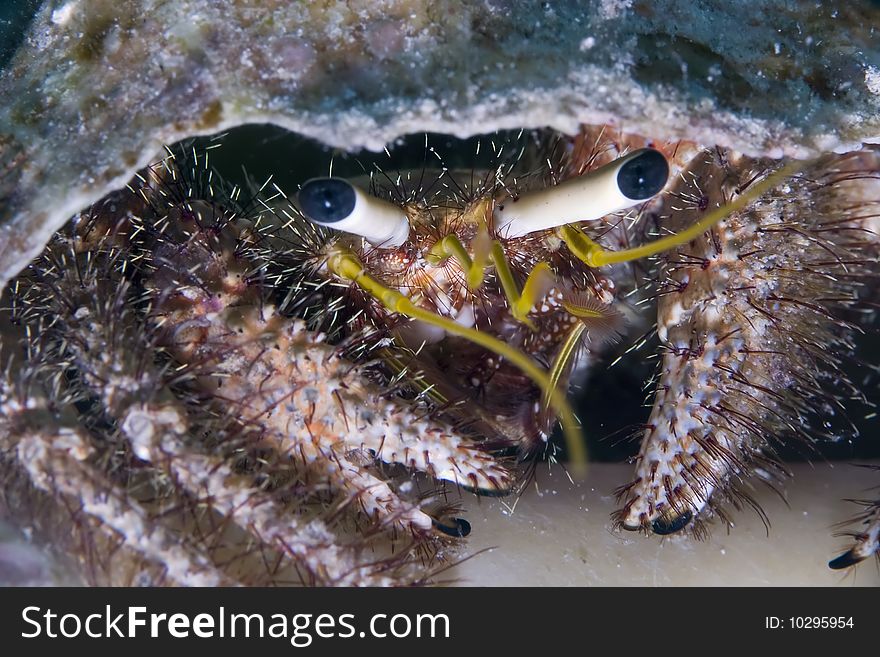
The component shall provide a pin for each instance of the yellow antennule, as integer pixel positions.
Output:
(345, 264)
(594, 255)
(564, 357)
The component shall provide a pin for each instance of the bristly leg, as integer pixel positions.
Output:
(215, 306)
(300, 395)
(215, 437)
(753, 318)
(181, 504)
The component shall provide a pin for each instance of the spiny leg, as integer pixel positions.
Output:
(751, 324)
(311, 406)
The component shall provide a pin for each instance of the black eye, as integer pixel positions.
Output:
(643, 176)
(327, 200)
(663, 526)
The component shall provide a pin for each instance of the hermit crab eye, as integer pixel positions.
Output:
(338, 204)
(327, 200)
(643, 175)
(621, 184)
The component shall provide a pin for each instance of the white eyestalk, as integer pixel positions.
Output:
(336, 203)
(621, 184)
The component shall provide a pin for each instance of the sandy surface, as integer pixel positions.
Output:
(562, 536)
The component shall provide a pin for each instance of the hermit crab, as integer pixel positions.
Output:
(235, 385)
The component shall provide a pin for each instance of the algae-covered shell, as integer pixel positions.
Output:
(95, 87)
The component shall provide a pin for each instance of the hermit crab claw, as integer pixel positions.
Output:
(621, 184)
(336, 203)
